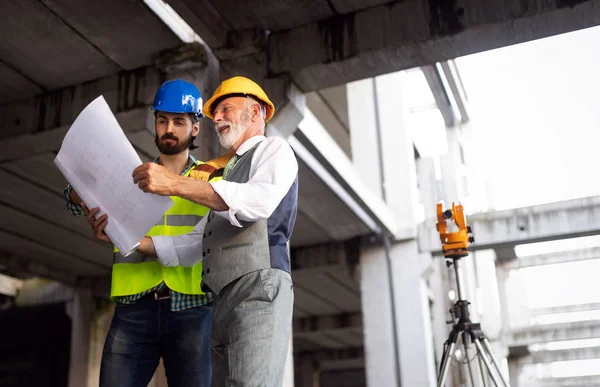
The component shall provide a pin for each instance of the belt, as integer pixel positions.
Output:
(162, 295)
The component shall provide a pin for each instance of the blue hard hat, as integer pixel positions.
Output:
(178, 96)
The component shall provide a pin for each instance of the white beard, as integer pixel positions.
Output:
(235, 132)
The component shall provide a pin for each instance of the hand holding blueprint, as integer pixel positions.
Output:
(98, 160)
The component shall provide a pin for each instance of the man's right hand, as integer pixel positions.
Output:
(97, 224)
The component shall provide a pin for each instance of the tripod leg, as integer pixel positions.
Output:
(488, 348)
(487, 365)
(483, 374)
(445, 364)
(467, 346)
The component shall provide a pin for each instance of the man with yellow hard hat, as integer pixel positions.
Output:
(243, 241)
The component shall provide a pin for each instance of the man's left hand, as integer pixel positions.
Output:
(154, 178)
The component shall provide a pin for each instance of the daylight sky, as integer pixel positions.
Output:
(536, 116)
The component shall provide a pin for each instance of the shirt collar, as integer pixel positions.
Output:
(192, 162)
(248, 144)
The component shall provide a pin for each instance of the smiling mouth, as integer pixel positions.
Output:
(222, 129)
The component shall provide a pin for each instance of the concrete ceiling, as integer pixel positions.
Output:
(48, 45)
(328, 43)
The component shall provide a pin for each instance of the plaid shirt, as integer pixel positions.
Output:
(179, 301)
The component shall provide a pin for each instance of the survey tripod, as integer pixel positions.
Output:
(455, 246)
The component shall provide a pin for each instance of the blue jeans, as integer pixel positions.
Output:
(143, 332)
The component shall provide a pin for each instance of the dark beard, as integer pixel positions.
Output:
(168, 149)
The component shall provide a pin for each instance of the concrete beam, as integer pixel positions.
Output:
(325, 323)
(505, 254)
(440, 93)
(26, 145)
(315, 146)
(571, 354)
(124, 92)
(289, 115)
(40, 291)
(333, 359)
(204, 20)
(576, 381)
(21, 266)
(337, 332)
(58, 109)
(566, 309)
(456, 88)
(329, 356)
(555, 332)
(326, 279)
(566, 219)
(9, 285)
(191, 56)
(554, 258)
(414, 33)
(326, 255)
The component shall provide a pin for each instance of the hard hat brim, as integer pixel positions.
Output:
(208, 105)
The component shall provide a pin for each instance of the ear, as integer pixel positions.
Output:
(255, 112)
(195, 129)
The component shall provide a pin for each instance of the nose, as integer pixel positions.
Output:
(217, 117)
(170, 127)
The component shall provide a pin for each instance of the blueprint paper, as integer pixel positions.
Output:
(98, 161)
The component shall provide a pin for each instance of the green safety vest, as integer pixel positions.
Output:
(134, 278)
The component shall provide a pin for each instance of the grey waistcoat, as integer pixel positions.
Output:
(230, 252)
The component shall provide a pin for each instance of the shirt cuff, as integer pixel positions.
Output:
(165, 251)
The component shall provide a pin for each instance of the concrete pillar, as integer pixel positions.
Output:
(307, 372)
(80, 310)
(453, 169)
(397, 150)
(513, 315)
(475, 191)
(413, 315)
(428, 188)
(488, 297)
(380, 355)
(491, 313)
(100, 325)
(362, 118)
(382, 149)
(512, 286)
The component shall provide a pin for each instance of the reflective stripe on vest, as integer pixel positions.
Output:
(137, 272)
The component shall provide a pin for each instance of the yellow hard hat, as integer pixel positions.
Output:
(240, 86)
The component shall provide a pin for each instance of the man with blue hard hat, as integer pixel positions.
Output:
(161, 311)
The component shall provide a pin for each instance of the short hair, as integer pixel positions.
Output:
(261, 104)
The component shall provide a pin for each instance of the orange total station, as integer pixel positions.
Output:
(454, 244)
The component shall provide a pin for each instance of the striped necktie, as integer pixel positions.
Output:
(229, 165)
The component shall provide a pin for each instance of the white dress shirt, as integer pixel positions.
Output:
(272, 172)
